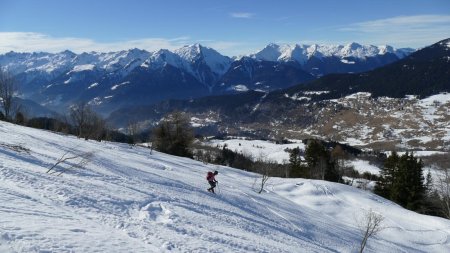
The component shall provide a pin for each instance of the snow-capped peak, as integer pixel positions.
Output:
(161, 57)
(270, 53)
(217, 62)
(214, 60)
(189, 53)
(386, 49)
(359, 51)
(68, 53)
(353, 46)
(300, 53)
(284, 52)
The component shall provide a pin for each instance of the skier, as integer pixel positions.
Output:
(212, 180)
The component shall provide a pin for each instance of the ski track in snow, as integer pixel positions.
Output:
(128, 200)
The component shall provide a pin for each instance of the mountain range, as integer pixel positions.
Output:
(387, 102)
(114, 80)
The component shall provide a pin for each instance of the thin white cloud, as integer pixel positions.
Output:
(35, 42)
(38, 42)
(242, 15)
(401, 22)
(416, 30)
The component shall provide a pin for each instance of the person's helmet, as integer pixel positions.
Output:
(216, 172)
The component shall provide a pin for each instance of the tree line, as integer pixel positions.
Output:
(402, 180)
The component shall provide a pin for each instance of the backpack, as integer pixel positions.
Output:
(209, 175)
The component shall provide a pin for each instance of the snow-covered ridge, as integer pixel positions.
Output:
(183, 57)
(68, 61)
(300, 53)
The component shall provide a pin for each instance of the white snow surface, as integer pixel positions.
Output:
(128, 200)
(92, 85)
(347, 61)
(437, 98)
(239, 88)
(363, 166)
(259, 148)
(84, 67)
(114, 87)
(161, 57)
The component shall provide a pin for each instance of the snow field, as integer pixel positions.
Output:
(258, 148)
(128, 200)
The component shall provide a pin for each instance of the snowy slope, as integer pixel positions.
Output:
(127, 200)
(161, 57)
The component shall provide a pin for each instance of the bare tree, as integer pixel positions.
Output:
(88, 124)
(133, 130)
(95, 127)
(8, 88)
(338, 155)
(79, 114)
(443, 189)
(265, 168)
(80, 160)
(369, 225)
(150, 146)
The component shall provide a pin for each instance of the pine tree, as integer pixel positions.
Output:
(295, 163)
(174, 135)
(338, 156)
(319, 162)
(402, 181)
(331, 173)
(316, 159)
(387, 175)
(416, 189)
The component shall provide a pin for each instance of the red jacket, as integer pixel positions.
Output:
(210, 177)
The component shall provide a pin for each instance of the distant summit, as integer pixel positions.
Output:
(300, 53)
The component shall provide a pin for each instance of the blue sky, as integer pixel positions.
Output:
(232, 27)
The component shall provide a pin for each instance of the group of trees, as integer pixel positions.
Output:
(402, 181)
(88, 124)
(174, 135)
(438, 186)
(234, 159)
(81, 121)
(320, 162)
